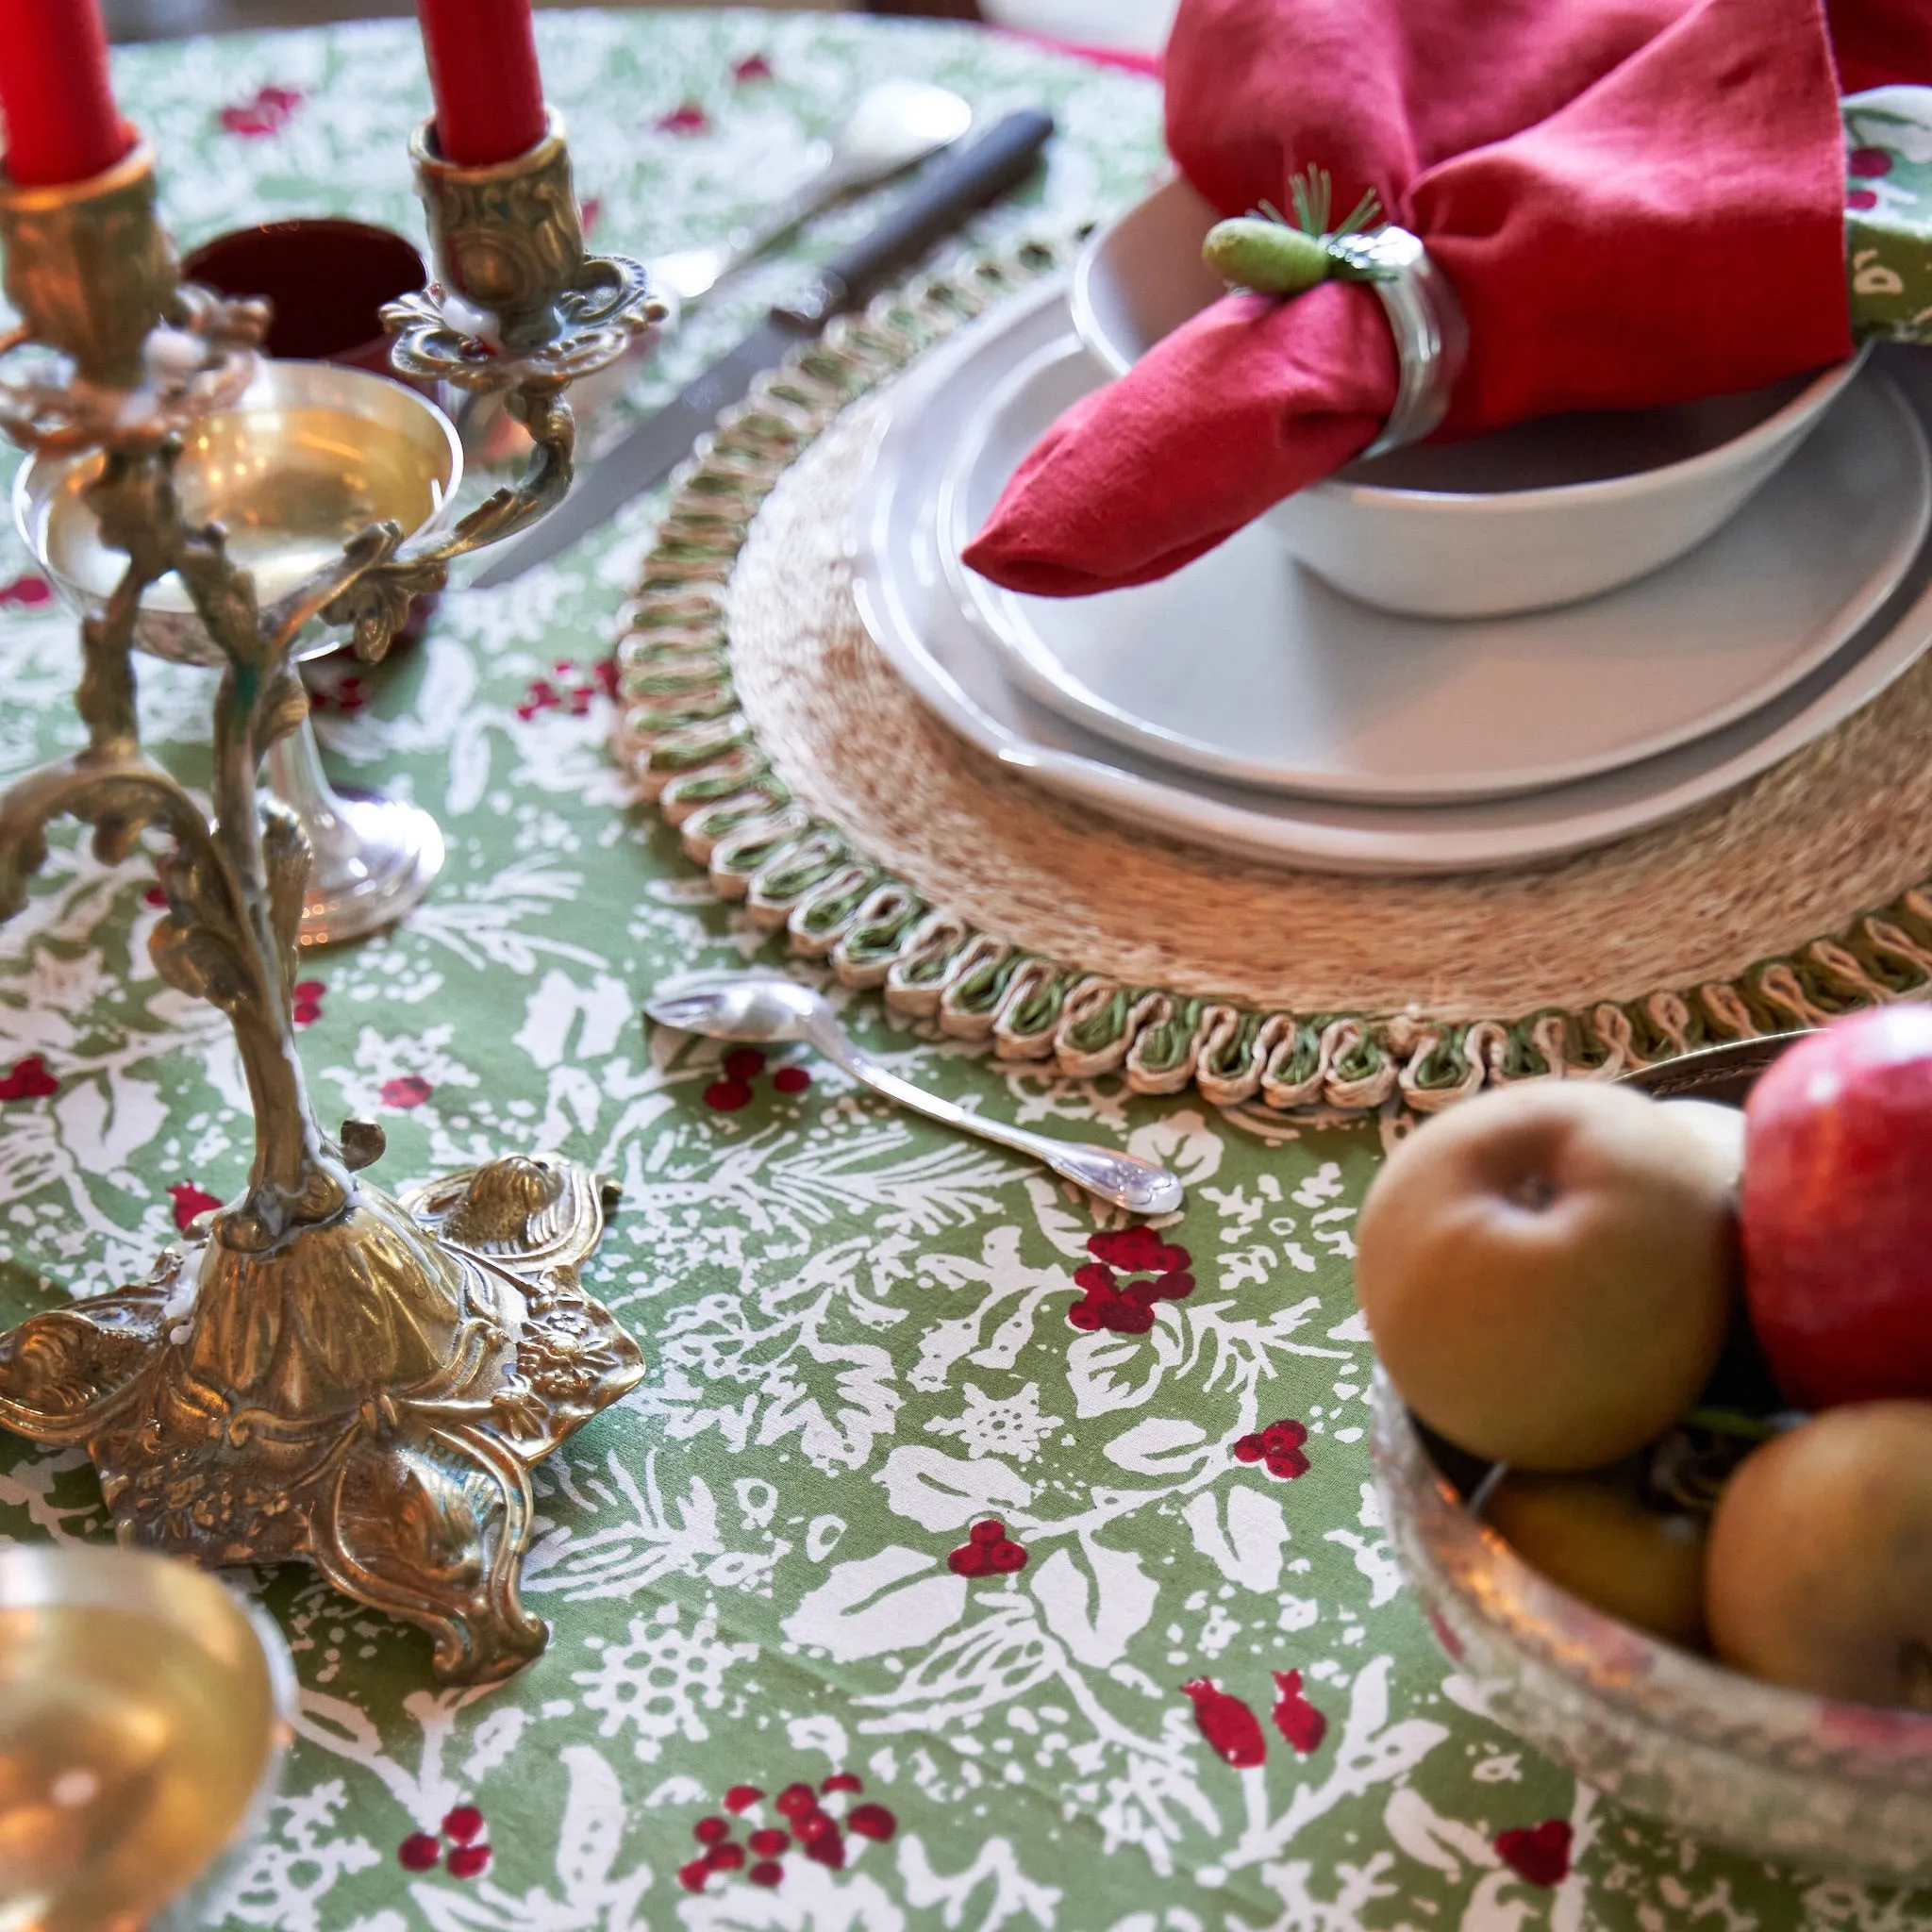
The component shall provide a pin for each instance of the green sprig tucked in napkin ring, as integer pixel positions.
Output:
(1271, 256)
(1888, 226)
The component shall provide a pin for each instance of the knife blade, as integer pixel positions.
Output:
(998, 162)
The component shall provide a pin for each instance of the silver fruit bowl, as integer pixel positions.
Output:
(1843, 1789)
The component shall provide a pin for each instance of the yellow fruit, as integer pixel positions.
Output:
(1819, 1574)
(1594, 1536)
(1548, 1271)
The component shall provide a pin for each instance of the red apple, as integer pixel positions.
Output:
(1836, 1210)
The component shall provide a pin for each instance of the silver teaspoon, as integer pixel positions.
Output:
(763, 1009)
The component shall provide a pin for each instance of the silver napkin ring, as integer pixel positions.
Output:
(1431, 335)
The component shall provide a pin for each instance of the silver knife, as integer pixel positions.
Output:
(999, 160)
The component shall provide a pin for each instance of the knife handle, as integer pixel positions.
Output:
(1000, 159)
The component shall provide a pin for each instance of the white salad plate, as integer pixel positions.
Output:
(949, 657)
(1246, 666)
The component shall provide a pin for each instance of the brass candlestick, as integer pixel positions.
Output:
(321, 1371)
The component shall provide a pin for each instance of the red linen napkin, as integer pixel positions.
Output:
(1638, 201)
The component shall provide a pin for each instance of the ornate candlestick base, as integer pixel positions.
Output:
(367, 1395)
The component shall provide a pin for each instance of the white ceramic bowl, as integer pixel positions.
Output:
(1544, 512)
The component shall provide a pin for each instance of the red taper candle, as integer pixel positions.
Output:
(483, 73)
(55, 95)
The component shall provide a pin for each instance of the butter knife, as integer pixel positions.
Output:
(989, 167)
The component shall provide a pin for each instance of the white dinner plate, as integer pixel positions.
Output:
(908, 607)
(1244, 666)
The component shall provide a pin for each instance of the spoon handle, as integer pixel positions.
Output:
(1138, 1186)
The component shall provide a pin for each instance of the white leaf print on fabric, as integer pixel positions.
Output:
(942, 1491)
(868, 1606)
(1161, 1446)
(1102, 1367)
(1014, 1893)
(1096, 1619)
(1248, 1549)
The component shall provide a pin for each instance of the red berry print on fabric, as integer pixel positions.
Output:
(872, 1820)
(189, 1201)
(1869, 163)
(1278, 1446)
(570, 688)
(269, 111)
(1231, 1729)
(27, 594)
(825, 1844)
(1126, 1307)
(686, 118)
(419, 1852)
(154, 896)
(1296, 1717)
(752, 67)
(727, 1096)
(988, 1551)
(1136, 1250)
(28, 1079)
(818, 1834)
(743, 1063)
(1540, 1854)
(405, 1091)
(792, 1079)
(464, 1824)
(348, 695)
(1859, 199)
(307, 1002)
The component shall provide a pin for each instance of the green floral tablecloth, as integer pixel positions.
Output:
(962, 1562)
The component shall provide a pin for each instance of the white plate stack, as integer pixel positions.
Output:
(1243, 703)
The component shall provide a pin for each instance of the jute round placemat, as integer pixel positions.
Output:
(815, 785)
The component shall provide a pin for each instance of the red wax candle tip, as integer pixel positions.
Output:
(54, 94)
(483, 71)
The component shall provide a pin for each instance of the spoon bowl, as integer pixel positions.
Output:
(749, 1010)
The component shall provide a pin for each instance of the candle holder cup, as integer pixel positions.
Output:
(319, 1371)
